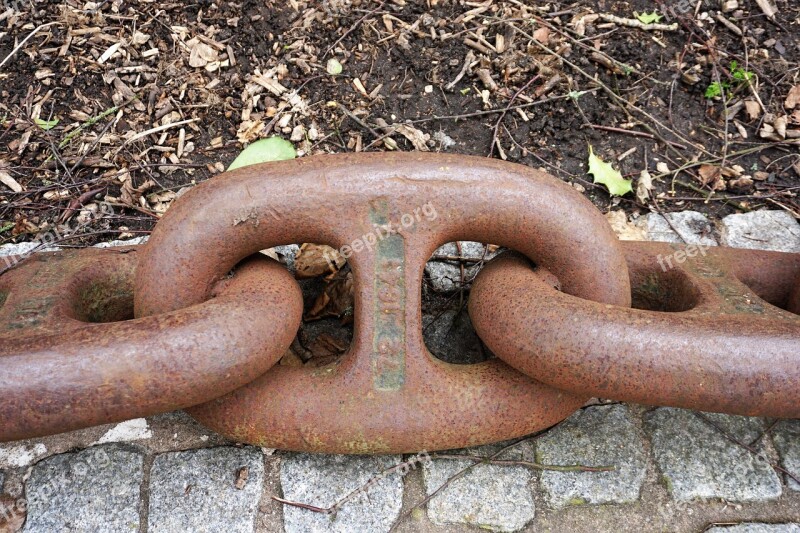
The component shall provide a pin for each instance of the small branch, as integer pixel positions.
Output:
(528, 464)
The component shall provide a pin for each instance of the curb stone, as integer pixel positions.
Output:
(491, 497)
(595, 436)
(762, 230)
(96, 489)
(322, 480)
(206, 491)
(697, 462)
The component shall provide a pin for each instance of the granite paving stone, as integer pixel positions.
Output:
(491, 497)
(595, 436)
(323, 480)
(762, 230)
(697, 461)
(207, 490)
(94, 490)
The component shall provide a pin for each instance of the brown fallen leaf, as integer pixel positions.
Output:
(711, 176)
(793, 98)
(8, 181)
(740, 184)
(325, 349)
(317, 260)
(335, 301)
(241, 478)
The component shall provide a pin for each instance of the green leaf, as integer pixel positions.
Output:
(46, 125)
(464, 91)
(264, 150)
(649, 18)
(714, 90)
(605, 174)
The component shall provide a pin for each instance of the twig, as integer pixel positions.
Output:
(750, 449)
(634, 133)
(355, 25)
(503, 115)
(529, 464)
(25, 40)
(634, 23)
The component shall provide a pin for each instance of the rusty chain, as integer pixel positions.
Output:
(718, 331)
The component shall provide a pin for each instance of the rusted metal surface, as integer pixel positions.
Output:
(61, 370)
(387, 394)
(713, 335)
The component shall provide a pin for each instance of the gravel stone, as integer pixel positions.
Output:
(754, 527)
(94, 490)
(322, 480)
(446, 276)
(127, 242)
(492, 497)
(206, 491)
(698, 462)
(694, 227)
(786, 437)
(596, 436)
(762, 230)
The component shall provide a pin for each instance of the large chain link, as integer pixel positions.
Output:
(718, 332)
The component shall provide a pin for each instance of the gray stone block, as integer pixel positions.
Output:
(692, 228)
(445, 276)
(596, 436)
(786, 437)
(323, 480)
(206, 491)
(451, 338)
(698, 462)
(492, 497)
(96, 490)
(762, 230)
(754, 527)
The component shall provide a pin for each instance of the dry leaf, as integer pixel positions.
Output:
(768, 8)
(8, 181)
(335, 301)
(793, 98)
(317, 260)
(753, 109)
(542, 35)
(201, 55)
(644, 186)
(625, 230)
(415, 136)
(745, 182)
(711, 176)
(325, 349)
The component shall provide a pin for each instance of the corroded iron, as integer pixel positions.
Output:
(712, 331)
(388, 393)
(70, 357)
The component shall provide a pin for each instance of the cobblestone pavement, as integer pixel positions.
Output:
(673, 469)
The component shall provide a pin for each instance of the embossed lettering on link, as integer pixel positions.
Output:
(389, 338)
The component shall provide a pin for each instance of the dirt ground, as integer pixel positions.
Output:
(130, 102)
